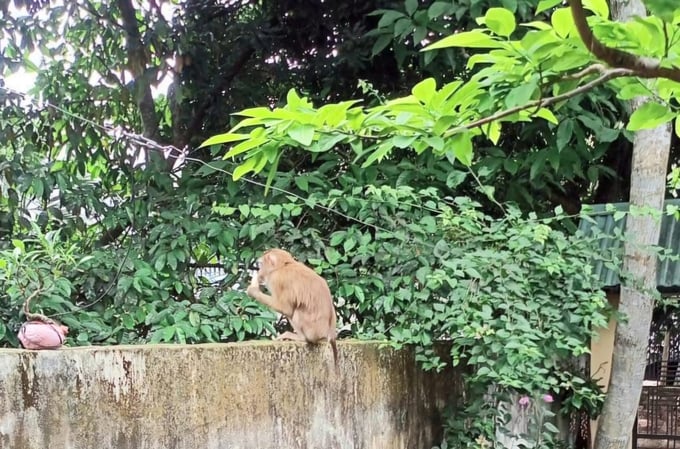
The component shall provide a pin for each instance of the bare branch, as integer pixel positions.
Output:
(35, 316)
(137, 64)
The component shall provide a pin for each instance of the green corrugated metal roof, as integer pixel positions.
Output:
(668, 273)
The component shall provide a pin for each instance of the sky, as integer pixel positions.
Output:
(23, 80)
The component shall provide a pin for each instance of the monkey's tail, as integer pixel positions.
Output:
(335, 350)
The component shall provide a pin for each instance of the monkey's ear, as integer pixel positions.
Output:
(270, 259)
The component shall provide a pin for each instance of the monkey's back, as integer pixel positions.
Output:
(307, 292)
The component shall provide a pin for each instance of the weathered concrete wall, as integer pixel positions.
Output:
(255, 395)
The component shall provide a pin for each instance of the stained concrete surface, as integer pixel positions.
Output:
(252, 395)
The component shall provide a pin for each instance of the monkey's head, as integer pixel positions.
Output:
(272, 260)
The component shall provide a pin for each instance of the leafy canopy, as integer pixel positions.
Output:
(520, 79)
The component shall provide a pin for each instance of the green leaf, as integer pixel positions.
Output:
(171, 261)
(293, 99)
(168, 333)
(411, 6)
(562, 22)
(564, 132)
(649, 115)
(337, 238)
(245, 146)
(389, 18)
(467, 39)
(244, 209)
(547, 114)
(18, 244)
(402, 27)
(381, 43)
(537, 165)
(223, 138)
(160, 262)
(245, 167)
(326, 142)
(438, 9)
(261, 112)
(403, 141)
(510, 5)
(379, 153)
(547, 4)
(303, 134)
(599, 7)
(455, 178)
(521, 94)
(38, 187)
(302, 183)
(462, 147)
(500, 21)
(272, 171)
(425, 90)
(493, 131)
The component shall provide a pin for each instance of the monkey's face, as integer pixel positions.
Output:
(271, 261)
(265, 265)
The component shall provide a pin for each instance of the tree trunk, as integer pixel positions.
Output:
(647, 188)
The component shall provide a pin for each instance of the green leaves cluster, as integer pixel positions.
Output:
(419, 121)
(516, 76)
(519, 302)
(129, 295)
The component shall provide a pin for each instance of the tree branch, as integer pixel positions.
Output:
(607, 75)
(643, 67)
(137, 64)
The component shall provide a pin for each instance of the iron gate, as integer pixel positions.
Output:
(657, 425)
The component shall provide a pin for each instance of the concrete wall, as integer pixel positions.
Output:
(254, 395)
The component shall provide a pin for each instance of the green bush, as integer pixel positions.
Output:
(515, 296)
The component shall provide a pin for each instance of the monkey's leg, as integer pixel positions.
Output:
(270, 301)
(291, 336)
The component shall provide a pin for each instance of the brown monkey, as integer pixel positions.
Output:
(298, 293)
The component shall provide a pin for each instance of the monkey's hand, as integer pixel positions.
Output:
(254, 286)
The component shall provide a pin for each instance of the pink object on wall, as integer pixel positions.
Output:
(39, 335)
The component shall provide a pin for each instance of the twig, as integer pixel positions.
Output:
(35, 316)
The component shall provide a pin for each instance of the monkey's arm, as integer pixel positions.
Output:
(254, 292)
(291, 336)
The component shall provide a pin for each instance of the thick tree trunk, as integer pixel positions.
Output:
(648, 186)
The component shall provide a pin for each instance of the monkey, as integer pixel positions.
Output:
(299, 294)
